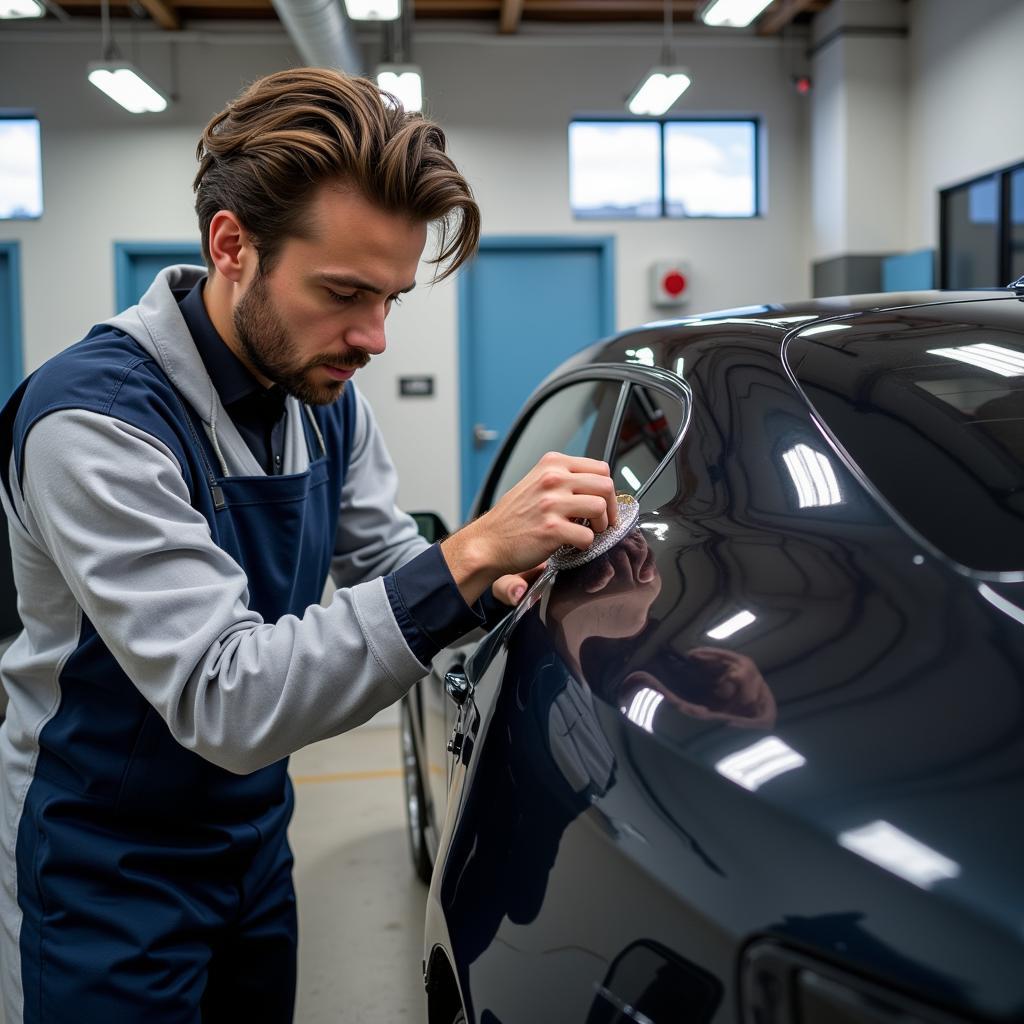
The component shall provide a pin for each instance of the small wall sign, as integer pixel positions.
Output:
(415, 387)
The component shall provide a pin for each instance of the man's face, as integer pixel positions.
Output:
(318, 315)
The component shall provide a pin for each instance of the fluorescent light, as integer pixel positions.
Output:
(733, 625)
(1007, 362)
(630, 477)
(755, 765)
(807, 332)
(658, 91)
(645, 705)
(374, 10)
(660, 530)
(21, 9)
(124, 85)
(404, 82)
(641, 356)
(889, 848)
(813, 476)
(732, 13)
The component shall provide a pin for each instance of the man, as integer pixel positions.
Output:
(178, 486)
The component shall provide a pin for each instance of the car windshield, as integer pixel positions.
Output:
(933, 414)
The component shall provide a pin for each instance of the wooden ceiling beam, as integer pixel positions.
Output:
(179, 5)
(511, 15)
(780, 15)
(426, 8)
(162, 14)
(596, 8)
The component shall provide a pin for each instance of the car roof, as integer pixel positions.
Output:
(657, 343)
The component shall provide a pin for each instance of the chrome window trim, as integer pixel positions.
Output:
(617, 417)
(656, 378)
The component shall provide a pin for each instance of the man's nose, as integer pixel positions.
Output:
(368, 333)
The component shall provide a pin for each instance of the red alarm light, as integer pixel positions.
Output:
(674, 283)
(669, 283)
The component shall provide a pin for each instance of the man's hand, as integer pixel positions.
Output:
(510, 589)
(536, 517)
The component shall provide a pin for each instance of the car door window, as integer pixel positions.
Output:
(651, 422)
(574, 420)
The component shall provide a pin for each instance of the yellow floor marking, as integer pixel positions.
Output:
(384, 773)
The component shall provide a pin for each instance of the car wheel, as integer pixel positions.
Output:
(415, 805)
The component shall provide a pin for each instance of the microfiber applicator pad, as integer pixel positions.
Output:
(568, 557)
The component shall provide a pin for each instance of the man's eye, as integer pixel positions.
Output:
(338, 297)
(395, 300)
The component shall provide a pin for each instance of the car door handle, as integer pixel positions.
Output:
(483, 435)
(457, 685)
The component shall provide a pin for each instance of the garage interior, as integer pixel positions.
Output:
(875, 121)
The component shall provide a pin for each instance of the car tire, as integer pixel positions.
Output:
(415, 804)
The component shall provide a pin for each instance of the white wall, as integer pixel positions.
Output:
(966, 85)
(859, 128)
(505, 104)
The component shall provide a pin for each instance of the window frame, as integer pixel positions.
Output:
(1004, 228)
(663, 213)
(628, 375)
(28, 114)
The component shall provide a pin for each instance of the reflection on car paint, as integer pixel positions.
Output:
(830, 780)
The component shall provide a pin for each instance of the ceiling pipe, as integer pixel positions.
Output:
(322, 33)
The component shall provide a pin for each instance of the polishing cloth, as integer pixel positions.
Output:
(568, 557)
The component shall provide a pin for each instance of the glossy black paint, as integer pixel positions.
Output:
(589, 864)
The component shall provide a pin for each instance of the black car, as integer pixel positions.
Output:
(763, 761)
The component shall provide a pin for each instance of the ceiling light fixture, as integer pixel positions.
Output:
(663, 84)
(124, 84)
(120, 79)
(731, 13)
(397, 74)
(21, 9)
(404, 82)
(374, 10)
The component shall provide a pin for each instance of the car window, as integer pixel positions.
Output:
(933, 414)
(573, 420)
(650, 425)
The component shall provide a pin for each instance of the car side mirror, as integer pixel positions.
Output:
(431, 526)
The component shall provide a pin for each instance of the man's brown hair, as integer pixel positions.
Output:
(264, 155)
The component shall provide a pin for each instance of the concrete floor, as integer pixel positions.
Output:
(360, 905)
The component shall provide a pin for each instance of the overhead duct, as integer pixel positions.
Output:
(322, 33)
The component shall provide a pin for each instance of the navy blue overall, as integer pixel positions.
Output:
(155, 886)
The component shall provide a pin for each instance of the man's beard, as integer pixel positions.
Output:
(264, 341)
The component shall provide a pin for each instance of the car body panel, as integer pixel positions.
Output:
(592, 837)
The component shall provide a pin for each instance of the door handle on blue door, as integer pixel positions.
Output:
(483, 435)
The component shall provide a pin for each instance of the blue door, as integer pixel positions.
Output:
(525, 305)
(136, 264)
(11, 367)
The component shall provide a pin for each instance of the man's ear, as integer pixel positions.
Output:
(231, 249)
